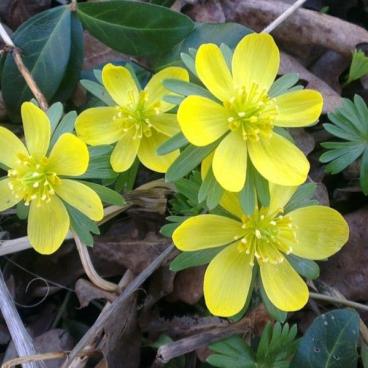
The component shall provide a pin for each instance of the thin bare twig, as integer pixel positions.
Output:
(33, 358)
(89, 269)
(23, 69)
(103, 318)
(336, 300)
(283, 16)
(20, 336)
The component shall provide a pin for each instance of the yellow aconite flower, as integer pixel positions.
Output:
(245, 115)
(314, 232)
(139, 122)
(36, 177)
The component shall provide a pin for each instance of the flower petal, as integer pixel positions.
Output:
(120, 84)
(48, 225)
(37, 129)
(256, 60)
(125, 151)
(230, 162)
(279, 196)
(213, 71)
(11, 146)
(156, 91)
(299, 108)
(69, 156)
(231, 203)
(97, 126)
(165, 123)
(206, 231)
(279, 160)
(320, 232)
(201, 120)
(7, 198)
(283, 286)
(82, 197)
(227, 281)
(147, 153)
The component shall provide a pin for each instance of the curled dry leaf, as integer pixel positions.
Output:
(304, 26)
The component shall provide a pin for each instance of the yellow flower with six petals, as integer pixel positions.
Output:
(314, 232)
(36, 176)
(139, 123)
(245, 115)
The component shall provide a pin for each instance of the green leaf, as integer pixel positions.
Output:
(190, 158)
(22, 210)
(97, 90)
(231, 353)
(186, 88)
(134, 28)
(175, 142)
(193, 259)
(305, 267)
(54, 113)
(106, 194)
(330, 342)
(82, 225)
(45, 42)
(248, 196)
(358, 67)
(210, 191)
(66, 125)
(302, 197)
(284, 84)
(364, 354)
(228, 33)
(364, 172)
(272, 310)
(126, 180)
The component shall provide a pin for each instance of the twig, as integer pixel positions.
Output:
(101, 321)
(23, 69)
(89, 269)
(22, 340)
(283, 16)
(33, 358)
(336, 300)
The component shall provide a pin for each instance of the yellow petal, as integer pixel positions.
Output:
(231, 203)
(299, 108)
(125, 151)
(256, 60)
(227, 281)
(320, 232)
(37, 129)
(10, 147)
(120, 84)
(47, 225)
(206, 231)
(7, 198)
(230, 162)
(97, 126)
(82, 197)
(213, 71)
(280, 196)
(69, 156)
(279, 160)
(201, 120)
(147, 153)
(283, 286)
(165, 123)
(156, 91)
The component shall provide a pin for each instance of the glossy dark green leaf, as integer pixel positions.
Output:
(75, 63)
(364, 172)
(330, 342)
(218, 33)
(45, 43)
(134, 28)
(192, 259)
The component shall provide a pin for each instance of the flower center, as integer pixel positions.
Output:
(266, 236)
(136, 115)
(252, 113)
(31, 180)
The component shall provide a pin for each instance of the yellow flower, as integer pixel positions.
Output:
(139, 123)
(314, 232)
(36, 177)
(245, 115)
